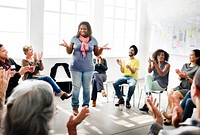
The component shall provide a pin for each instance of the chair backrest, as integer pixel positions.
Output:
(60, 72)
(63, 80)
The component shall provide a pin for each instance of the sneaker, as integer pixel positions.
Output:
(144, 108)
(121, 101)
(128, 105)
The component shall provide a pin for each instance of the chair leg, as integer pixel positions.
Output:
(106, 85)
(114, 95)
(159, 100)
(140, 97)
(167, 103)
(134, 95)
(107, 91)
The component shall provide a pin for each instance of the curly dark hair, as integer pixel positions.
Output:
(89, 34)
(157, 52)
(197, 54)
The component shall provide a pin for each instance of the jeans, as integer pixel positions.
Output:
(78, 79)
(48, 79)
(188, 106)
(97, 84)
(125, 80)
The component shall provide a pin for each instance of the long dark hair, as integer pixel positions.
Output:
(89, 34)
(197, 54)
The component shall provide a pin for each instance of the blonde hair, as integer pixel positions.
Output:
(26, 47)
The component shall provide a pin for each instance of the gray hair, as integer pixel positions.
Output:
(26, 47)
(29, 109)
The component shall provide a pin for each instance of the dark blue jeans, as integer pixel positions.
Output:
(127, 80)
(48, 79)
(188, 106)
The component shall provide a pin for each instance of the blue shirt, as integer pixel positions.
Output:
(80, 63)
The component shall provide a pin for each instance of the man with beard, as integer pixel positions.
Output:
(129, 68)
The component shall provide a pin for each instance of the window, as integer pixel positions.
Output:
(45, 23)
(119, 25)
(61, 19)
(13, 25)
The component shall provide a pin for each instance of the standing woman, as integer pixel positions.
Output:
(160, 68)
(81, 46)
(98, 78)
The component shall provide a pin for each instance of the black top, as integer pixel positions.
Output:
(101, 68)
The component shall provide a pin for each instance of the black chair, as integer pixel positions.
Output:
(65, 83)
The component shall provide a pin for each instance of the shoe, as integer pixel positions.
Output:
(93, 103)
(144, 108)
(148, 93)
(75, 111)
(104, 94)
(167, 123)
(65, 96)
(128, 105)
(121, 101)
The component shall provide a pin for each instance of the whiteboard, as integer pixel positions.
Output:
(176, 37)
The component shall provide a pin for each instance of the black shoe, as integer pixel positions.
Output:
(144, 108)
(148, 93)
(128, 105)
(167, 123)
(65, 96)
(121, 101)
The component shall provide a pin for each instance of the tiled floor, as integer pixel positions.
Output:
(105, 118)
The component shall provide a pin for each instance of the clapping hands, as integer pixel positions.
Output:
(38, 57)
(4, 79)
(119, 62)
(181, 74)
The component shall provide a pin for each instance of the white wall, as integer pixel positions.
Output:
(148, 11)
(165, 10)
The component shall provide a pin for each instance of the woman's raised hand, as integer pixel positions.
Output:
(65, 44)
(105, 47)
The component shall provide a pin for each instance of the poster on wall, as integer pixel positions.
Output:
(176, 37)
